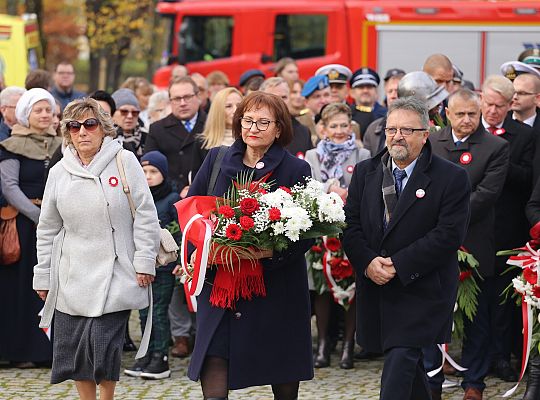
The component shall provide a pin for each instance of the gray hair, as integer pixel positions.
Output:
(7, 95)
(82, 107)
(272, 82)
(463, 94)
(499, 84)
(156, 98)
(414, 104)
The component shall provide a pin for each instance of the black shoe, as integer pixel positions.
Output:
(366, 355)
(533, 380)
(347, 357)
(503, 370)
(128, 343)
(157, 368)
(138, 366)
(322, 359)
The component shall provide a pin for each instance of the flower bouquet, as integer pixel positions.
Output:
(467, 296)
(249, 223)
(331, 270)
(525, 288)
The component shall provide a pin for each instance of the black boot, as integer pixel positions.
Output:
(322, 359)
(533, 381)
(128, 343)
(347, 357)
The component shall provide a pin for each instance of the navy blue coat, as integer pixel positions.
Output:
(422, 238)
(166, 214)
(270, 337)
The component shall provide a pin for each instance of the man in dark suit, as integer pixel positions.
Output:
(406, 214)
(485, 158)
(511, 226)
(174, 135)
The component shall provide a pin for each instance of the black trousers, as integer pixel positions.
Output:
(404, 376)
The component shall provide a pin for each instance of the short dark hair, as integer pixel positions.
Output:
(102, 95)
(257, 100)
(38, 78)
(64, 62)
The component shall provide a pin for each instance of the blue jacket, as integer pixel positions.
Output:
(167, 214)
(270, 337)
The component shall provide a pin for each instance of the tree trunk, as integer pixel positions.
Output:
(36, 7)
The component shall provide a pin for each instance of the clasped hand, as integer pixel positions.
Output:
(381, 270)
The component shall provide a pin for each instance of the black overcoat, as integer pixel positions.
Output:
(270, 337)
(487, 168)
(415, 308)
(170, 137)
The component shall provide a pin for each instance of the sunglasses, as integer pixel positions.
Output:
(90, 125)
(125, 113)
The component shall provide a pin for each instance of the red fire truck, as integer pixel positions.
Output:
(236, 35)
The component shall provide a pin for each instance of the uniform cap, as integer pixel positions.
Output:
(336, 73)
(393, 72)
(250, 73)
(365, 76)
(511, 69)
(317, 82)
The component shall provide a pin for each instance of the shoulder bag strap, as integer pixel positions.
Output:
(215, 169)
(122, 173)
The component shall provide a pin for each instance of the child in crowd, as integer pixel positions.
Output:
(155, 365)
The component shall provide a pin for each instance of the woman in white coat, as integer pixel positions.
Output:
(332, 163)
(95, 261)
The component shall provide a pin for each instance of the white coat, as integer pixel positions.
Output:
(89, 248)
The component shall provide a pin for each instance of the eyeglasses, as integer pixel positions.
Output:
(524, 94)
(187, 98)
(261, 125)
(403, 131)
(125, 113)
(90, 125)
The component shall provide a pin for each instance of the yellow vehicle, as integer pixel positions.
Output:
(20, 48)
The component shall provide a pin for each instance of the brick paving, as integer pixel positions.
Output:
(329, 383)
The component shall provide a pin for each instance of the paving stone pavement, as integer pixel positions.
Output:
(329, 384)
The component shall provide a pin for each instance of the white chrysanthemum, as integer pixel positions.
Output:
(279, 198)
(297, 218)
(279, 228)
(330, 208)
(317, 266)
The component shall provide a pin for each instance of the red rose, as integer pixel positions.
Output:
(226, 211)
(248, 206)
(274, 214)
(233, 232)
(536, 291)
(333, 244)
(340, 268)
(530, 276)
(246, 223)
(316, 249)
(464, 275)
(285, 189)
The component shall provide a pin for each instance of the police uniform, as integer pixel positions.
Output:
(365, 115)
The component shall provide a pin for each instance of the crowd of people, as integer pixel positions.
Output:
(432, 166)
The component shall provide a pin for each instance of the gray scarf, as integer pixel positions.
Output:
(390, 197)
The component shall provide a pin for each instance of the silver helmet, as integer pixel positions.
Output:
(421, 85)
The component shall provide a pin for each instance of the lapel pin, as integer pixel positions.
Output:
(465, 158)
(420, 193)
(300, 155)
(350, 169)
(259, 165)
(113, 181)
(499, 131)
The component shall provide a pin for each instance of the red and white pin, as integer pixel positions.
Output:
(113, 181)
(300, 155)
(259, 165)
(420, 193)
(465, 158)
(350, 169)
(499, 131)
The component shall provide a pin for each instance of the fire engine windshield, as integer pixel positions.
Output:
(205, 38)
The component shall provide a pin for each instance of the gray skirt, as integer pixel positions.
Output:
(88, 349)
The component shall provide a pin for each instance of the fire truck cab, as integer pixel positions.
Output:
(236, 35)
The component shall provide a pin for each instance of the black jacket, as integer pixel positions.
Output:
(415, 308)
(171, 138)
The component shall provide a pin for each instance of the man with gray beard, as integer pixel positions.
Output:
(406, 214)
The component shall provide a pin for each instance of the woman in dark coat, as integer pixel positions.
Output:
(265, 341)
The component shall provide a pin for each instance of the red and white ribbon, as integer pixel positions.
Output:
(201, 259)
(445, 356)
(527, 314)
(339, 294)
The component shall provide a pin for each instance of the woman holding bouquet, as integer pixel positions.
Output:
(332, 163)
(265, 340)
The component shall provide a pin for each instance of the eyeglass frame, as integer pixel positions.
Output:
(405, 132)
(71, 128)
(134, 113)
(186, 98)
(242, 119)
(521, 94)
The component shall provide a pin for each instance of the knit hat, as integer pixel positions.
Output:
(125, 96)
(27, 101)
(158, 160)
